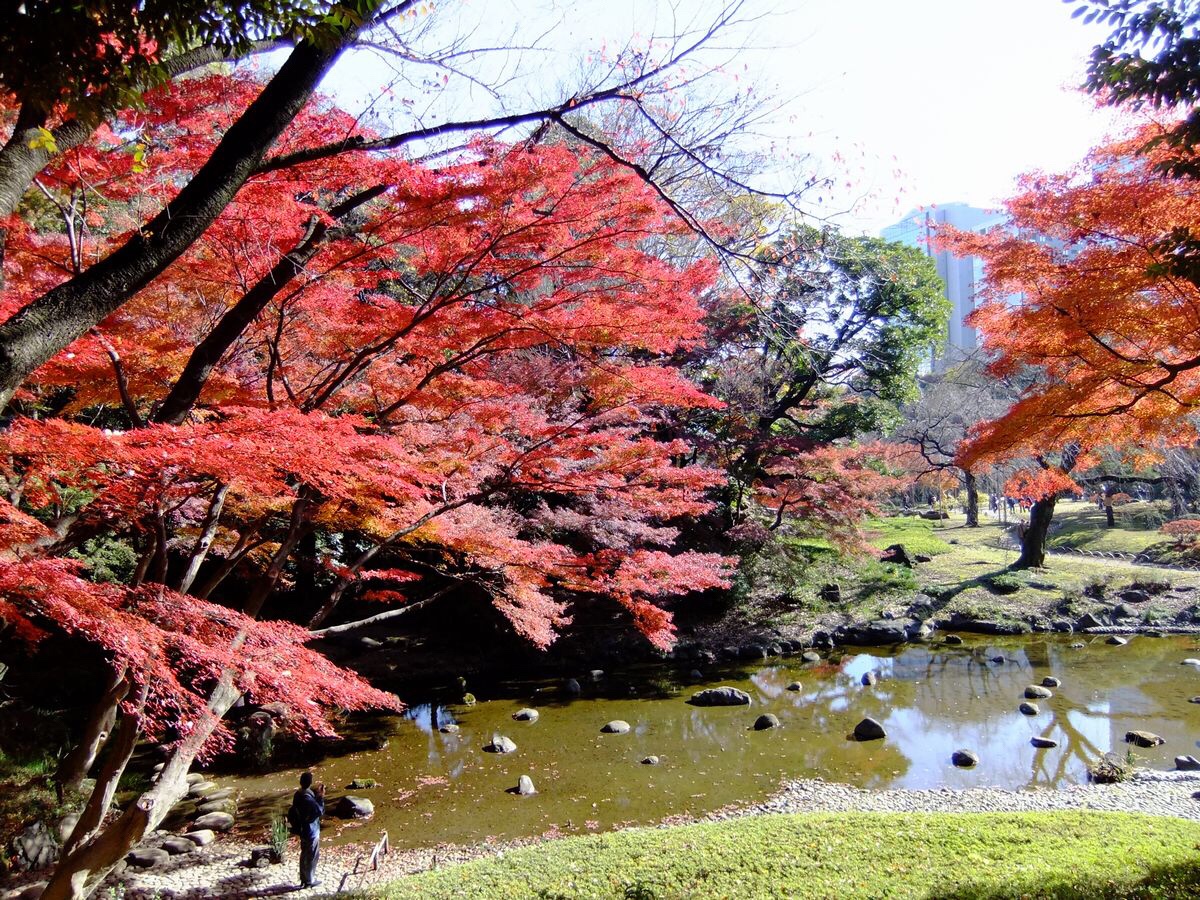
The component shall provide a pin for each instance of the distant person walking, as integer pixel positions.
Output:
(304, 817)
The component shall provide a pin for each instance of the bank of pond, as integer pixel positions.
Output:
(553, 756)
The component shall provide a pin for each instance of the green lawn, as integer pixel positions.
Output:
(846, 855)
(1081, 526)
(916, 534)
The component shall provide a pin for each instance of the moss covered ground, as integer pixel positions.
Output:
(1084, 855)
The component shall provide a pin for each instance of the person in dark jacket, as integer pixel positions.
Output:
(308, 805)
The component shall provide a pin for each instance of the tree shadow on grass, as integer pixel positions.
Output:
(1164, 882)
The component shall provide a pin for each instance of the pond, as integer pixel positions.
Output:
(435, 787)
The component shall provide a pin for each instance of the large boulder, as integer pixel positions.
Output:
(897, 555)
(878, 632)
(34, 848)
(869, 730)
(1143, 739)
(720, 696)
(351, 807)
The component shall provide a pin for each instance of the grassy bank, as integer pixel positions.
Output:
(849, 855)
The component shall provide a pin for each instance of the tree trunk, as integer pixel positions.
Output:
(972, 499)
(73, 768)
(82, 870)
(1033, 541)
(47, 325)
(115, 760)
(1109, 520)
(207, 532)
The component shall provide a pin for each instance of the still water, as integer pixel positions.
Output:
(435, 787)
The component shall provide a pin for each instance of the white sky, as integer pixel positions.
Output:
(911, 102)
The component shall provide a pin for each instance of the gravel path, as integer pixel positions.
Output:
(217, 870)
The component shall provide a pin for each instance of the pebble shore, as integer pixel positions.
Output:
(217, 870)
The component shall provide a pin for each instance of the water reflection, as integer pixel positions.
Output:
(932, 700)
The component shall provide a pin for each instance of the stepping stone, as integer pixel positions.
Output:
(1037, 692)
(201, 837)
(147, 857)
(212, 806)
(202, 789)
(217, 821)
(1043, 743)
(177, 845)
(616, 726)
(766, 721)
(1051, 682)
(1029, 709)
(526, 715)
(525, 786)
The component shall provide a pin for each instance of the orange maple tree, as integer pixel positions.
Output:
(1087, 302)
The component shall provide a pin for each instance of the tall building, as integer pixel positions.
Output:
(961, 275)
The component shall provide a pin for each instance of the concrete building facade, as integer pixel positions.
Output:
(962, 276)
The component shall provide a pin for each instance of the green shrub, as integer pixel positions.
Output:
(1004, 583)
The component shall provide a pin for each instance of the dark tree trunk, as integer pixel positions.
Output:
(1109, 520)
(50, 323)
(972, 499)
(1033, 537)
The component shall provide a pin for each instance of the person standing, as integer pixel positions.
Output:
(308, 805)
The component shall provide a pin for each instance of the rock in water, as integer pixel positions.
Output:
(869, 730)
(811, 656)
(449, 728)
(1116, 641)
(500, 744)
(525, 786)
(572, 687)
(1143, 739)
(1037, 692)
(1187, 763)
(869, 678)
(765, 721)
(650, 761)
(1043, 743)
(526, 715)
(964, 759)
(1051, 682)
(1191, 662)
(952, 639)
(350, 807)
(720, 696)
(795, 686)
(1029, 709)
(616, 726)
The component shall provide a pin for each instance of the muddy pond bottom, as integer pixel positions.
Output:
(435, 787)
